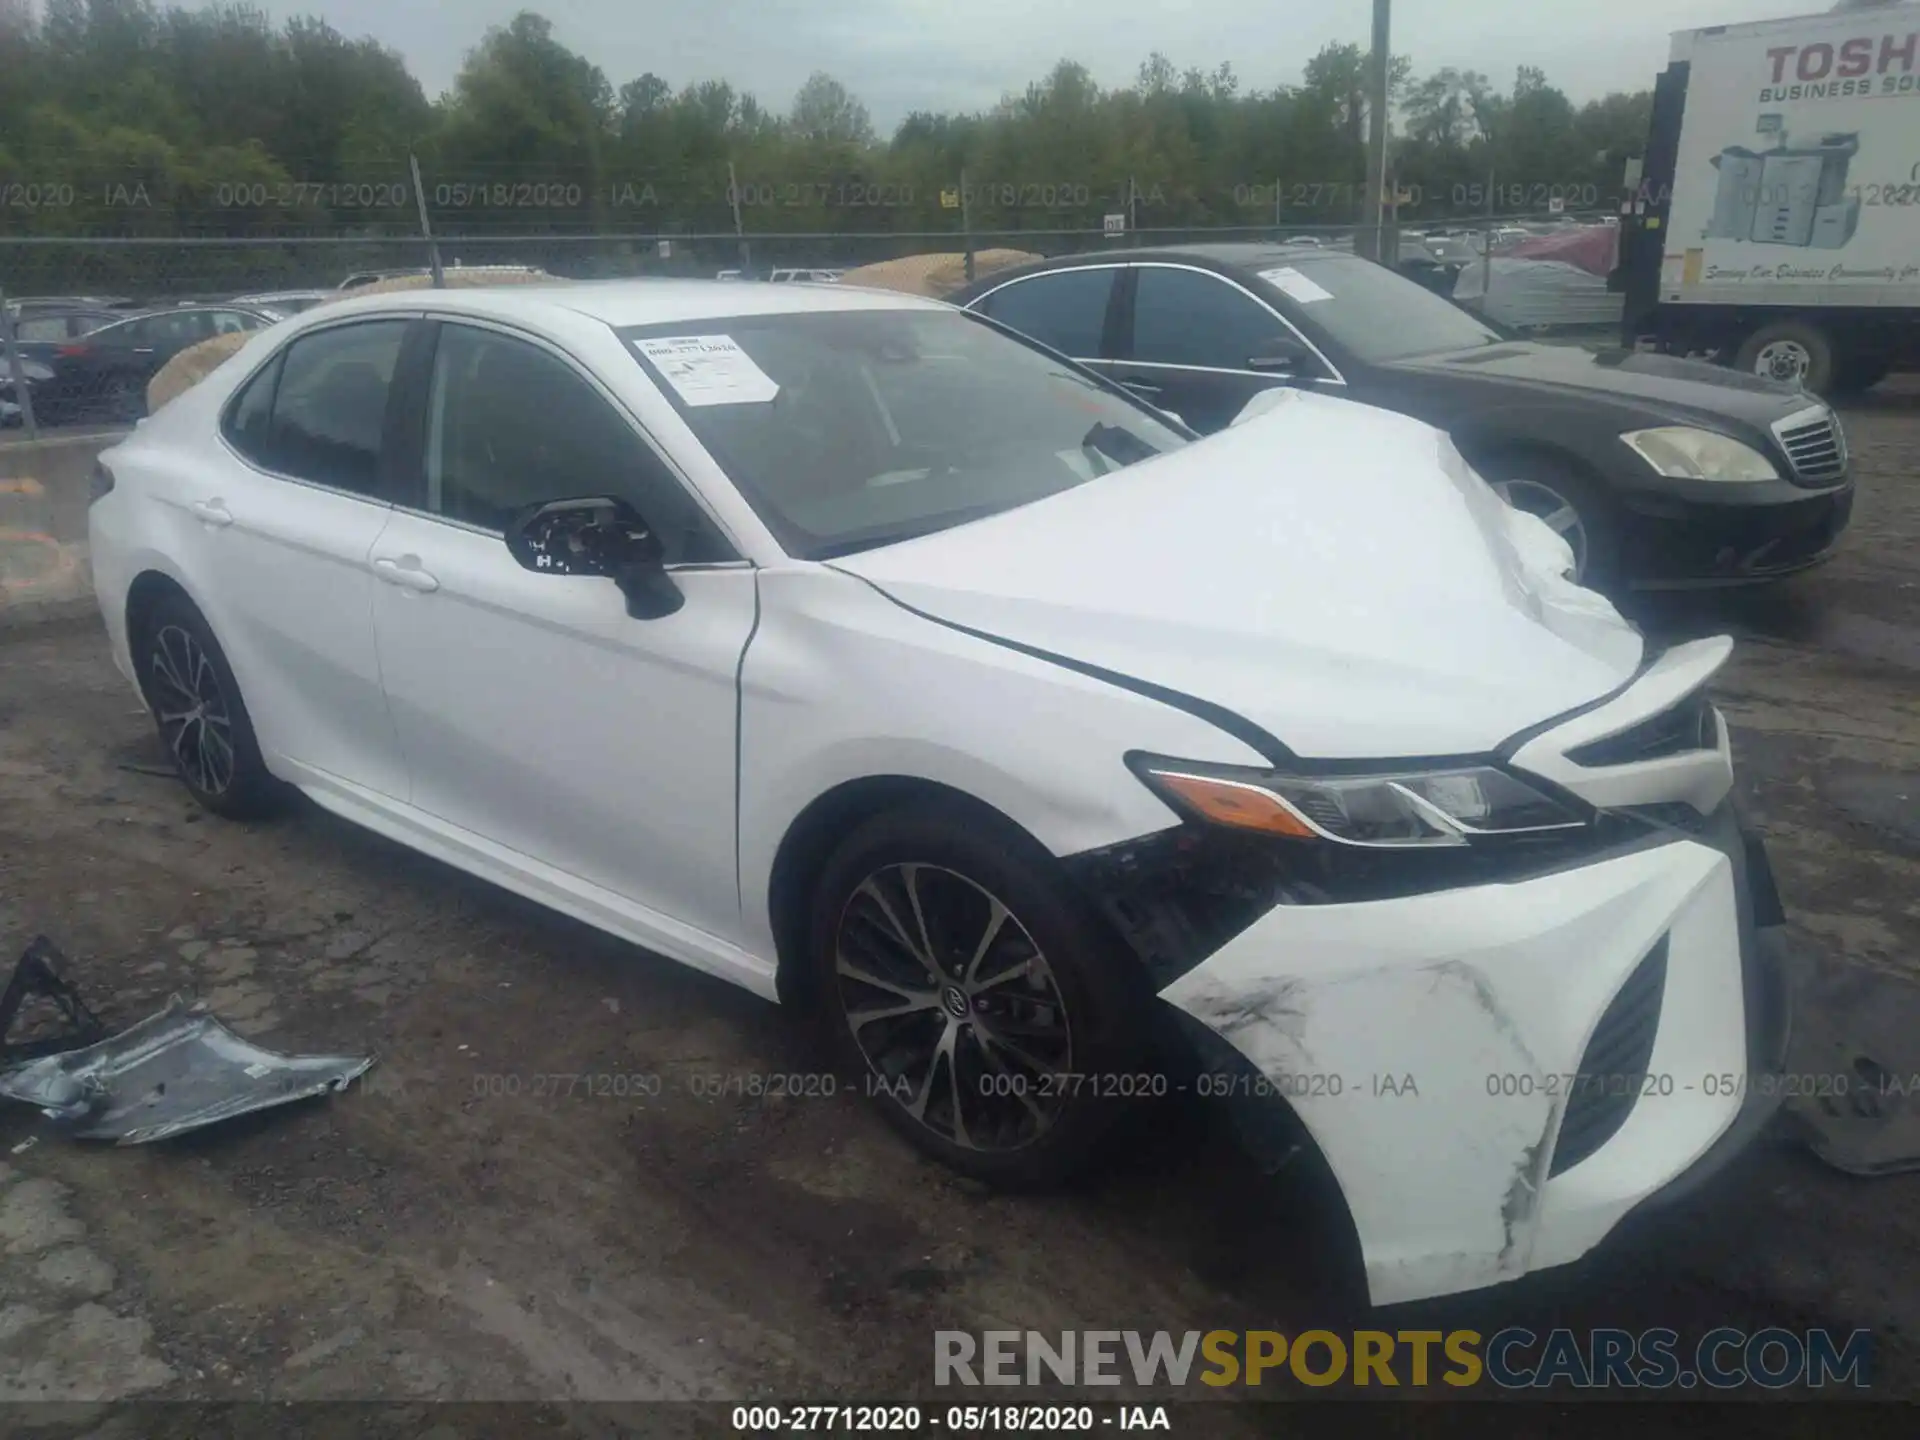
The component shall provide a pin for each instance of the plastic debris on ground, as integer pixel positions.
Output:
(176, 1071)
(38, 976)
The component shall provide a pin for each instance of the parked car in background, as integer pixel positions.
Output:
(43, 325)
(866, 655)
(1656, 471)
(102, 375)
(362, 278)
(818, 277)
(287, 302)
(27, 305)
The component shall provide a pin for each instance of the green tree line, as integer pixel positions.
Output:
(124, 117)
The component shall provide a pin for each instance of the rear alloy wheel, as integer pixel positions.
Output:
(1571, 506)
(203, 723)
(971, 998)
(1791, 352)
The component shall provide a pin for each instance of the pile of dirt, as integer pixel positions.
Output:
(190, 367)
(935, 276)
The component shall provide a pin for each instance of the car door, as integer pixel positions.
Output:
(1074, 311)
(534, 711)
(278, 526)
(1193, 342)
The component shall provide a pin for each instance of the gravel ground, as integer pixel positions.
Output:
(453, 1228)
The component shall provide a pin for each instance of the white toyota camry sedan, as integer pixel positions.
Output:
(862, 653)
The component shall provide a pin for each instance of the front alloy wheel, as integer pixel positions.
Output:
(953, 1006)
(963, 982)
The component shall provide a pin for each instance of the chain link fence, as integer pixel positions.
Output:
(60, 287)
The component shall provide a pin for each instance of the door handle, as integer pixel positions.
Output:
(213, 512)
(1141, 387)
(407, 577)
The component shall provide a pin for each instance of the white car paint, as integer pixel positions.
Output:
(1286, 569)
(1332, 575)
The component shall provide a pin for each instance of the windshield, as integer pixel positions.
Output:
(852, 429)
(1380, 316)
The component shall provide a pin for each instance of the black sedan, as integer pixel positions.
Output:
(1658, 472)
(102, 375)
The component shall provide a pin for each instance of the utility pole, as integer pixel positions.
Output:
(426, 225)
(739, 225)
(1377, 132)
(966, 220)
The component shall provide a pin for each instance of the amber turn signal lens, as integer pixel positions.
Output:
(1228, 802)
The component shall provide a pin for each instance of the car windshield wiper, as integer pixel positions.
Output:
(1114, 443)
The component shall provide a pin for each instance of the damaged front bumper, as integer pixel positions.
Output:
(1511, 1069)
(1499, 1051)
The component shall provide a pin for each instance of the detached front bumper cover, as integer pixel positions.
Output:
(173, 1072)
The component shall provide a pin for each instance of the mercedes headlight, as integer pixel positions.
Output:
(1684, 453)
(1389, 810)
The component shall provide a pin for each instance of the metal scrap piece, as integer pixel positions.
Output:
(175, 1071)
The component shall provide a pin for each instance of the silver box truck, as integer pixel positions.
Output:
(1775, 223)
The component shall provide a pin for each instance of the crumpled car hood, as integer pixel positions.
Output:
(1333, 573)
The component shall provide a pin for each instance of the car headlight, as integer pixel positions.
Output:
(1389, 810)
(1684, 453)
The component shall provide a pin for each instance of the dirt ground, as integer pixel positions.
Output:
(457, 1227)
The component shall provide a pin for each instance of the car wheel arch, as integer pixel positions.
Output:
(144, 594)
(809, 841)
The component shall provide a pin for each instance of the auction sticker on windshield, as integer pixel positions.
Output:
(709, 370)
(1295, 284)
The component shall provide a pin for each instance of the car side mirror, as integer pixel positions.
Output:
(597, 536)
(1282, 355)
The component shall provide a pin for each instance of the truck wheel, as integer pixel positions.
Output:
(1790, 351)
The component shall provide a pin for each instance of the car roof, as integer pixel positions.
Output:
(621, 303)
(1252, 255)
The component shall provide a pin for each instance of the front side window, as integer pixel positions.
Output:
(847, 430)
(510, 425)
(1066, 310)
(327, 413)
(1186, 317)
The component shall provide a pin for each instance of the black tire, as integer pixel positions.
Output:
(184, 673)
(1527, 479)
(1017, 1129)
(1855, 374)
(1773, 350)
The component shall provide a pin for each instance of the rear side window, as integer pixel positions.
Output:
(249, 422)
(1066, 311)
(318, 412)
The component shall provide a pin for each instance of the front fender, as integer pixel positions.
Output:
(841, 684)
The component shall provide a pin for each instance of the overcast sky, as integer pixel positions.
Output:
(902, 55)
